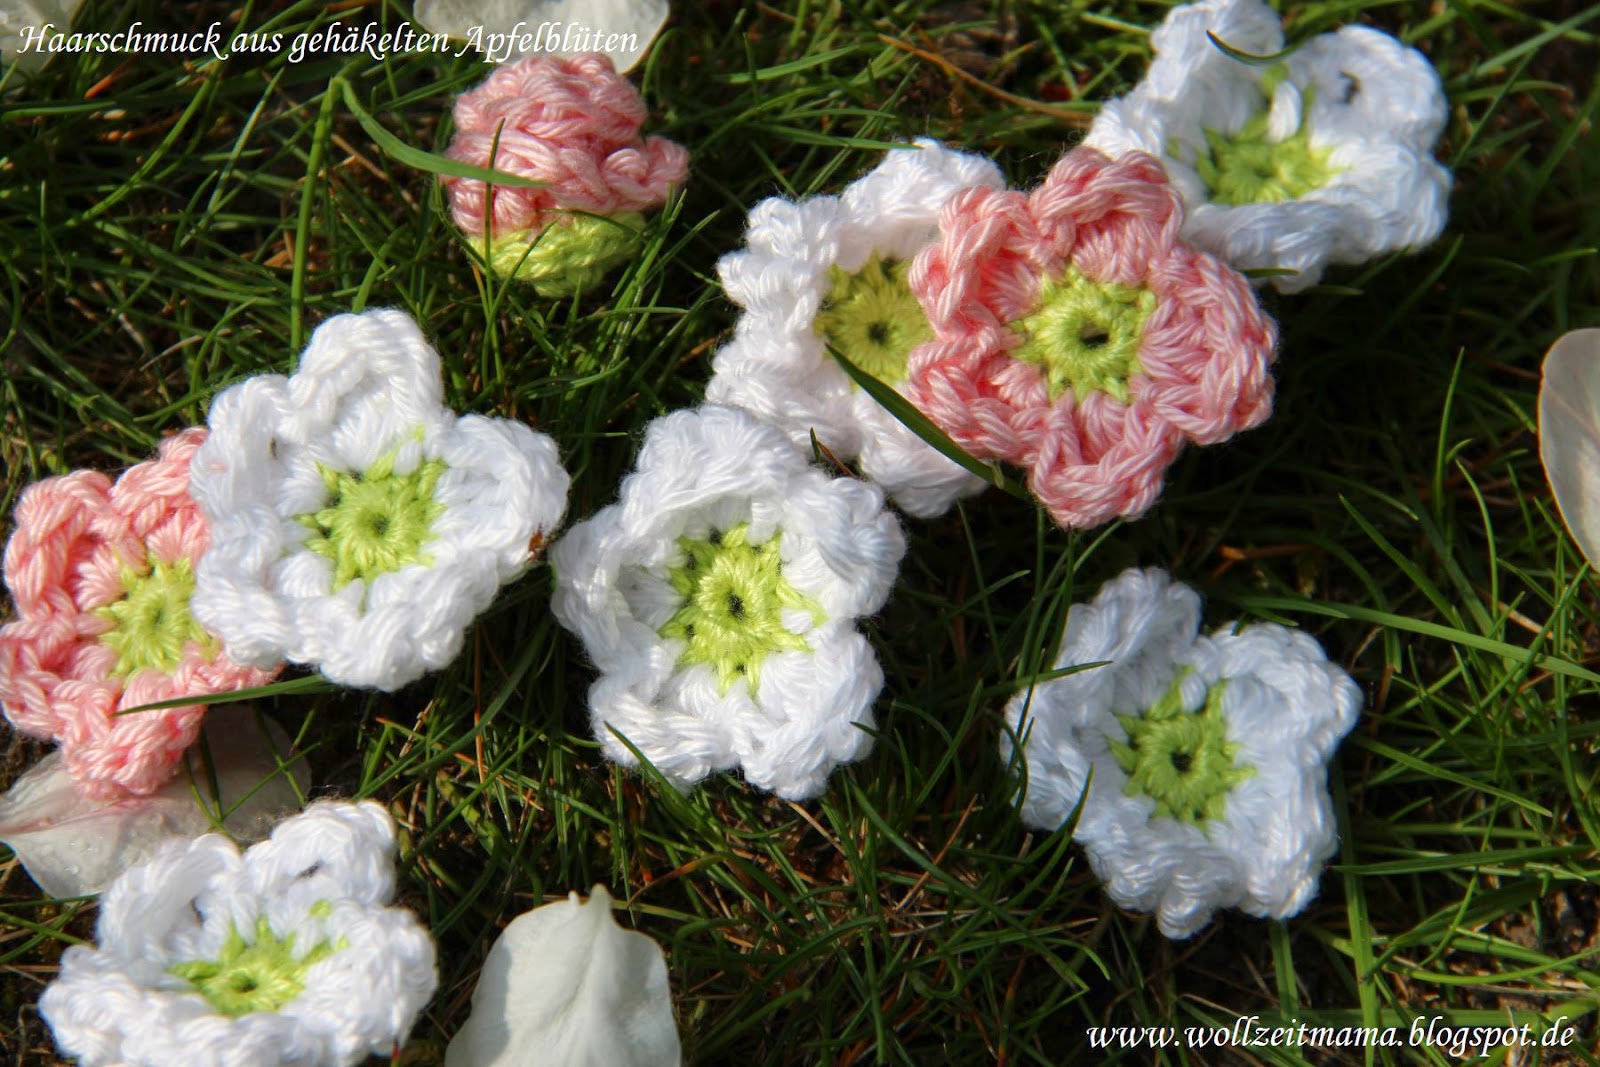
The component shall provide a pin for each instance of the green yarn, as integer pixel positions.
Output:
(734, 594)
(1085, 334)
(1248, 168)
(570, 255)
(263, 975)
(1182, 760)
(151, 624)
(873, 317)
(376, 522)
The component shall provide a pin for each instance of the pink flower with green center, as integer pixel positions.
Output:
(101, 575)
(1077, 337)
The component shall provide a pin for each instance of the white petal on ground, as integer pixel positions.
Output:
(564, 984)
(1569, 434)
(17, 15)
(633, 24)
(73, 846)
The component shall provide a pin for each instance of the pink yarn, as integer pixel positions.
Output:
(1205, 352)
(75, 536)
(571, 123)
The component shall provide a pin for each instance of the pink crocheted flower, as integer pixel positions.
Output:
(1077, 337)
(100, 575)
(572, 124)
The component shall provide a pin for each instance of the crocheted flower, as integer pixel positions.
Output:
(358, 524)
(1076, 336)
(718, 599)
(831, 270)
(1209, 754)
(100, 575)
(572, 124)
(1323, 157)
(285, 955)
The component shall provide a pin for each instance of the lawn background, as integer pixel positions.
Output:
(168, 227)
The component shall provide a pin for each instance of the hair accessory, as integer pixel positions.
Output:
(1077, 337)
(101, 574)
(572, 124)
(831, 270)
(1323, 157)
(718, 599)
(1209, 754)
(285, 955)
(358, 524)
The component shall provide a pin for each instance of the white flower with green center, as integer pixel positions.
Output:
(830, 271)
(1325, 156)
(1204, 757)
(357, 524)
(286, 955)
(718, 599)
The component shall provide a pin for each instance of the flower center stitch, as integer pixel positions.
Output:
(376, 522)
(1250, 168)
(151, 625)
(1181, 760)
(734, 595)
(873, 317)
(1085, 334)
(262, 975)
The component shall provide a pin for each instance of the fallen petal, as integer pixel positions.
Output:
(74, 846)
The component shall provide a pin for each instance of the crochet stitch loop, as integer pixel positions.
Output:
(359, 524)
(1325, 157)
(832, 271)
(1076, 336)
(1203, 757)
(101, 574)
(287, 955)
(573, 125)
(718, 600)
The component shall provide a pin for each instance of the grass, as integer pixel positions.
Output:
(170, 227)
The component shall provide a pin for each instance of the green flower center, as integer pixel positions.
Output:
(734, 595)
(1182, 760)
(873, 318)
(376, 522)
(567, 256)
(1249, 168)
(151, 625)
(261, 975)
(1085, 334)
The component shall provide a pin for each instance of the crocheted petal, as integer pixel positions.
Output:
(1188, 63)
(332, 850)
(624, 28)
(1083, 484)
(52, 520)
(1368, 86)
(73, 845)
(816, 713)
(365, 997)
(923, 481)
(1296, 235)
(893, 210)
(565, 984)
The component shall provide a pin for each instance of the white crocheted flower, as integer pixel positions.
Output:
(1209, 754)
(718, 599)
(1323, 157)
(285, 955)
(357, 524)
(832, 270)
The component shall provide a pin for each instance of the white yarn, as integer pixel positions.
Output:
(710, 469)
(1285, 707)
(1375, 104)
(778, 367)
(324, 877)
(368, 389)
